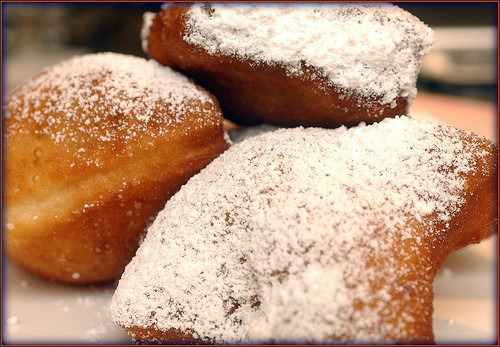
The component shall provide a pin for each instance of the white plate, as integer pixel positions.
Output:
(36, 311)
(465, 292)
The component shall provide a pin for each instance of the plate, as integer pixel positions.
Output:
(36, 311)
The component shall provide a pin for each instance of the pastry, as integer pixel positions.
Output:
(93, 148)
(310, 235)
(295, 64)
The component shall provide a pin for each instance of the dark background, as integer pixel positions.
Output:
(99, 27)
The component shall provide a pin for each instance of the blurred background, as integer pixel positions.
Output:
(463, 61)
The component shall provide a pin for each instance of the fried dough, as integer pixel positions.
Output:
(93, 148)
(294, 64)
(312, 236)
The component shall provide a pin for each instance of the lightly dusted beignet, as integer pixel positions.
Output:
(94, 147)
(312, 236)
(308, 64)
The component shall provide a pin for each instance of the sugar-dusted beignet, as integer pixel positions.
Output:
(295, 64)
(93, 148)
(312, 235)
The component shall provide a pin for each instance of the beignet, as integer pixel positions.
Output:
(312, 236)
(94, 147)
(295, 64)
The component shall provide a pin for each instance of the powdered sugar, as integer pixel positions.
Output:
(103, 98)
(375, 49)
(147, 20)
(269, 243)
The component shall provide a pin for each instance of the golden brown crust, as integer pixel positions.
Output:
(251, 94)
(469, 226)
(404, 257)
(75, 209)
(152, 335)
(478, 218)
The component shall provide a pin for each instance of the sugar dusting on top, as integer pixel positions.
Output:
(375, 49)
(268, 243)
(147, 22)
(104, 97)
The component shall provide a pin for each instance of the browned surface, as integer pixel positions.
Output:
(477, 219)
(76, 222)
(152, 335)
(412, 288)
(261, 94)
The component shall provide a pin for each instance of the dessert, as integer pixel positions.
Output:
(312, 236)
(295, 64)
(93, 148)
